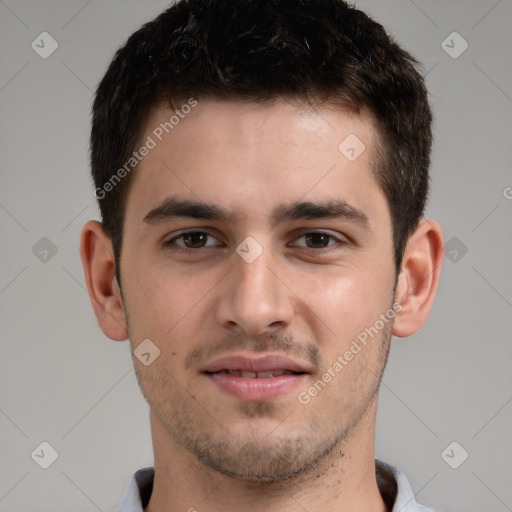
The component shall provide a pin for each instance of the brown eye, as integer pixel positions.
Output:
(317, 240)
(191, 240)
(194, 240)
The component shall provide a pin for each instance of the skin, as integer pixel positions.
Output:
(214, 451)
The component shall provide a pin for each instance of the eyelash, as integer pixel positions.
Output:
(170, 244)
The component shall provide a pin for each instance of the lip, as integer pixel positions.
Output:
(255, 363)
(255, 388)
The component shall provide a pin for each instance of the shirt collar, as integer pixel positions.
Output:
(393, 486)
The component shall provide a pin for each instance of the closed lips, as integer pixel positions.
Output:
(257, 375)
(253, 376)
(259, 366)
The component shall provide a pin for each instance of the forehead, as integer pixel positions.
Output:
(250, 157)
(277, 121)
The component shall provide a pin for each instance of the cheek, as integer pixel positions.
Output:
(347, 300)
(162, 299)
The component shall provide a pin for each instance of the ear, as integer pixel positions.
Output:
(418, 278)
(98, 260)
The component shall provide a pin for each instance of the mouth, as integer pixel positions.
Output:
(256, 377)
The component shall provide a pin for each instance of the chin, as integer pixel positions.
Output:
(261, 460)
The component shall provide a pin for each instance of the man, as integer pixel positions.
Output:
(262, 171)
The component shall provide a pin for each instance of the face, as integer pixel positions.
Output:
(256, 256)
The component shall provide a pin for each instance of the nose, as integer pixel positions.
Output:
(255, 299)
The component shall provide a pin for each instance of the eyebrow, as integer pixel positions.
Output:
(172, 208)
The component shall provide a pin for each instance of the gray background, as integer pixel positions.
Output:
(63, 382)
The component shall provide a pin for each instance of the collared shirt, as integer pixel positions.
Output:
(393, 486)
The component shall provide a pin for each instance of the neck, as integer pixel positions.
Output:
(343, 480)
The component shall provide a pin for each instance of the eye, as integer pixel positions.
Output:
(318, 240)
(191, 240)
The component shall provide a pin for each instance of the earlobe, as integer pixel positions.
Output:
(98, 262)
(418, 278)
